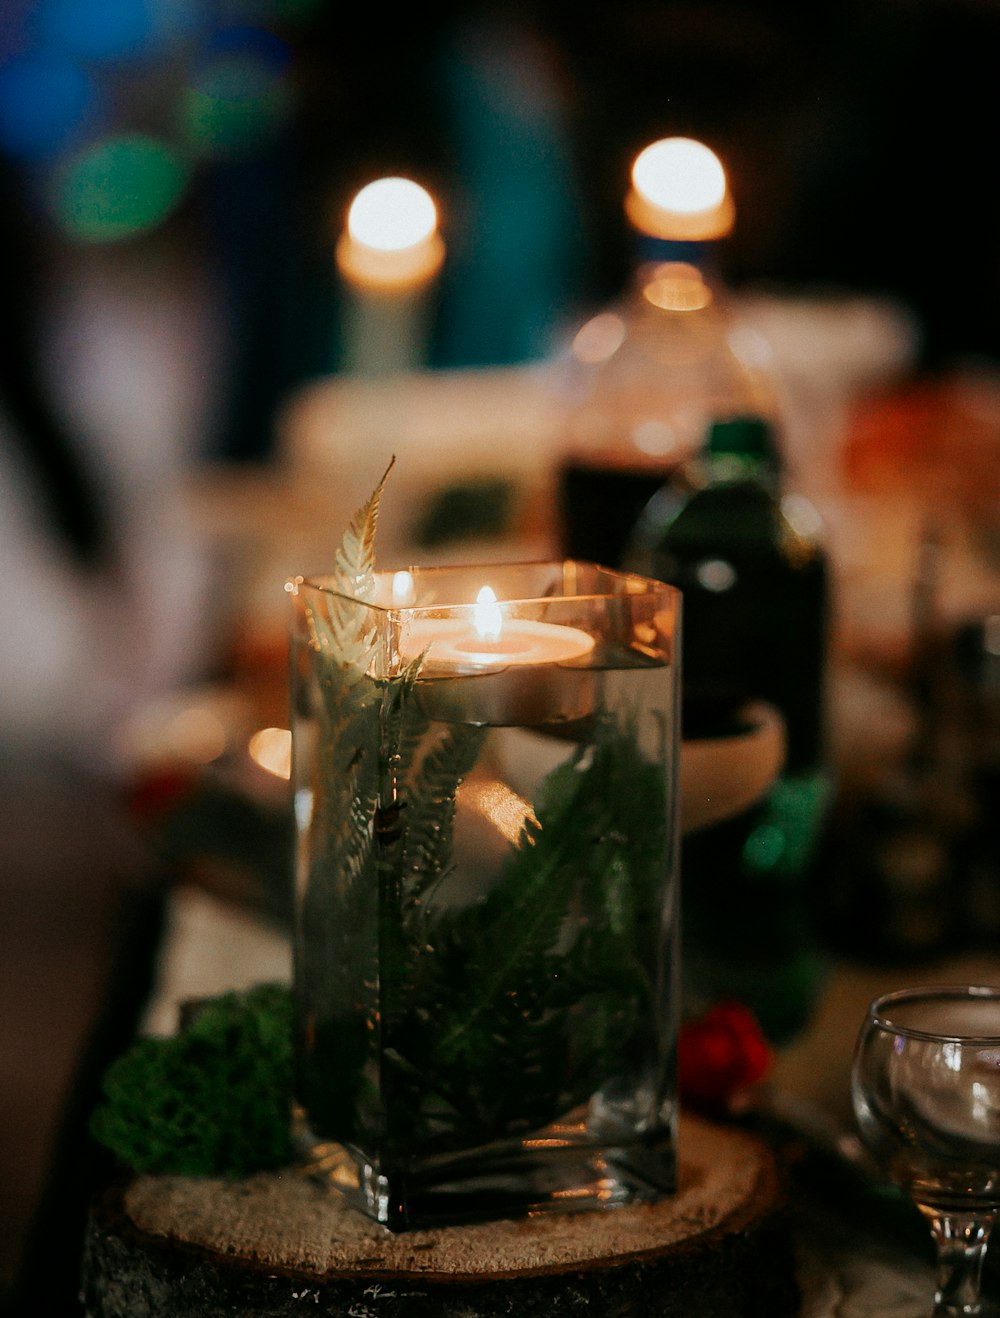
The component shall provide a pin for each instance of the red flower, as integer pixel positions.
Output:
(720, 1054)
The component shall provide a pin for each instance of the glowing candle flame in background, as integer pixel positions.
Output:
(680, 174)
(392, 213)
(680, 191)
(391, 243)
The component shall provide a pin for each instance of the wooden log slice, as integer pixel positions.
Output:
(278, 1245)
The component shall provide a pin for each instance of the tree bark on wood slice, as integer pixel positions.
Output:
(279, 1245)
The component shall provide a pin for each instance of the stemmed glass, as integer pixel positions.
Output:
(926, 1093)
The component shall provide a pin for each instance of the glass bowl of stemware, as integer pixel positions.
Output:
(926, 1095)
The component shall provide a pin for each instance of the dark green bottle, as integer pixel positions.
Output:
(751, 564)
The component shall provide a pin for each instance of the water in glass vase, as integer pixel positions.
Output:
(485, 943)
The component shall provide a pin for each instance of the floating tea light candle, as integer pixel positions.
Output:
(488, 640)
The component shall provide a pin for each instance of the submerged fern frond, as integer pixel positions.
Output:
(404, 719)
(432, 803)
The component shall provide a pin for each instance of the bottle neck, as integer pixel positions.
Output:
(742, 448)
(674, 286)
(703, 255)
(726, 468)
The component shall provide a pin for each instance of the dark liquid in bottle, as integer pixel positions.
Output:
(754, 628)
(599, 503)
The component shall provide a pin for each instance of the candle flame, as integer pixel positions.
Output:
(402, 587)
(680, 191)
(390, 244)
(392, 214)
(680, 174)
(487, 616)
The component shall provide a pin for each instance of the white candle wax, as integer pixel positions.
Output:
(455, 647)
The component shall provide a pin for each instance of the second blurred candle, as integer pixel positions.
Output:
(389, 255)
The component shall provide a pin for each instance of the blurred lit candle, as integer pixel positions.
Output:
(271, 749)
(388, 256)
(488, 640)
(680, 191)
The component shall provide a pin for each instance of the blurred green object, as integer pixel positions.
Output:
(466, 510)
(118, 187)
(517, 259)
(214, 1099)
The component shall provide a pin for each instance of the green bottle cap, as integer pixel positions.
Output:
(741, 437)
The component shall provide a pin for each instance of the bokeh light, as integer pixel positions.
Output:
(239, 95)
(118, 187)
(678, 286)
(402, 588)
(599, 338)
(680, 174)
(680, 192)
(46, 102)
(271, 748)
(392, 214)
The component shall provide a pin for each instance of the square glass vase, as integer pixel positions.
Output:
(485, 957)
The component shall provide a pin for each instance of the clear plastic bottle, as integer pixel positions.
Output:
(652, 375)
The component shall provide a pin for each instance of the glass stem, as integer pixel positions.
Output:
(960, 1240)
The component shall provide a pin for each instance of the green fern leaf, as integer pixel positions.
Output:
(431, 805)
(354, 562)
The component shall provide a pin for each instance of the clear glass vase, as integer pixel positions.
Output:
(486, 903)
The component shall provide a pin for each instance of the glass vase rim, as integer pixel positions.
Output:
(880, 1009)
(322, 582)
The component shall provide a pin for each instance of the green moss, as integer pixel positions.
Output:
(214, 1099)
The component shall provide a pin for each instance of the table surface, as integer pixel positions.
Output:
(852, 1265)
